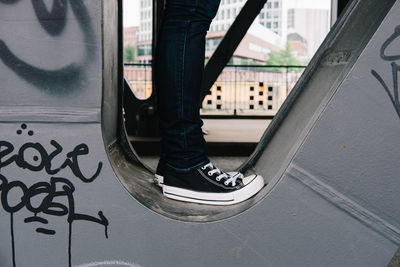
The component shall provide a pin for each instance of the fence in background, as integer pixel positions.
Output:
(240, 90)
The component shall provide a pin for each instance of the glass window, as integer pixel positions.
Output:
(276, 4)
(144, 50)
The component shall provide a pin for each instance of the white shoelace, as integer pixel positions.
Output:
(229, 178)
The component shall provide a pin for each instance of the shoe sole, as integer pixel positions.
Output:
(252, 188)
(159, 180)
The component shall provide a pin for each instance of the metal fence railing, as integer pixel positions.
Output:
(240, 90)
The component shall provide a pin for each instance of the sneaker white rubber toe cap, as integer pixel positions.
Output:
(254, 184)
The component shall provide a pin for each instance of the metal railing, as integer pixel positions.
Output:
(240, 90)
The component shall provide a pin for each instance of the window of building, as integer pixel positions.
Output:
(291, 18)
(144, 50)
(228, 13)
(276, 4)
(211, 45)
(268, 4)
(269, 25)
(275, 25)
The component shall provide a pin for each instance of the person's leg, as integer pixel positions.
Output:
(178, 77)
(184, 171)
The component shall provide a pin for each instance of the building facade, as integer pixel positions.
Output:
(143, 50)
(130, 36)
(270, 37)
(312, 24)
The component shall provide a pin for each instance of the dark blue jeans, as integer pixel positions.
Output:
(179, 65)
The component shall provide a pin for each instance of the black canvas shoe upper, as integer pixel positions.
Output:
(207, 178)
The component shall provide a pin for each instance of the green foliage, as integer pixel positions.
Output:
(285, 58)
(129, 53)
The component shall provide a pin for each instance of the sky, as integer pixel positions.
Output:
(131, 13)
(131, 8)
(313, 4)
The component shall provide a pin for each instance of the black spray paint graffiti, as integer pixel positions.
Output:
(49, 193)
(394, 98)
(65, 79)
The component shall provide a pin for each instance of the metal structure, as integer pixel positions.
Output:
(73, 193)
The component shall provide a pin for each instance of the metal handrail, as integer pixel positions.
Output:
(231, 65)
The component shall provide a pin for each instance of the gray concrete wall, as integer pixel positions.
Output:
(63, 203)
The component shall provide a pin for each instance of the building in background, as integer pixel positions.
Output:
(298, 45)
(274, 17)
(254, 47)
(143, 49)
(242, 90)
(130, 36)
(312, 24)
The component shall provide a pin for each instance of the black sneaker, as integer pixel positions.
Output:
(159, 176)
(209, 185)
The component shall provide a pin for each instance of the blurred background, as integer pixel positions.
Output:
(250, 90)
